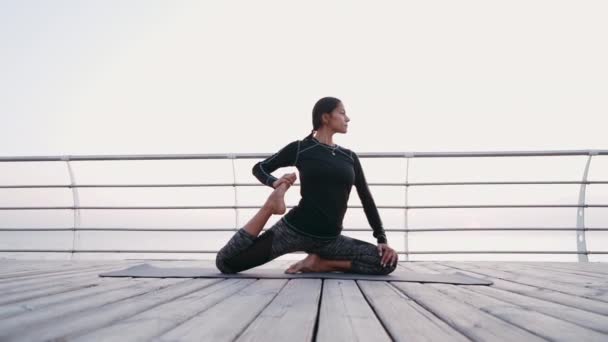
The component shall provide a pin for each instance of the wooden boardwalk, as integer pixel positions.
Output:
(529, 301)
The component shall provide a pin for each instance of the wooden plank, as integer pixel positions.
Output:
(44, 274)
(291, 315)
(35, 283)
(404, 319)
(68, 326)
(414, 266)
(37, 287)
(596, 267)
(35, 304)
(593, 267)
(42, 291)
(13, 266)
(531, 291)
(549, 276)
(537, 272)
(11, 263)
(345, 314)
(577, 268)
(590, 293)
(34, 268)
(583, 318)
(227, 319)
(540, 324)
(569, 271)
(468, 320)
(147, 325)
(12, 326)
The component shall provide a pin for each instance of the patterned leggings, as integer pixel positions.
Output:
(243, 251)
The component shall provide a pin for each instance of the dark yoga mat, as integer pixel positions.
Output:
(149, 271)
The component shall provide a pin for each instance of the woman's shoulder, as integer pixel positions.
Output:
(308, 142)
(347, 151)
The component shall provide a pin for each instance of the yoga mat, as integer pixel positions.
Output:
(149, 271)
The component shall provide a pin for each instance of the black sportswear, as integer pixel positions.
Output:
(327, 174)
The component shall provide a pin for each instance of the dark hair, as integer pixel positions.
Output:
(324, 105)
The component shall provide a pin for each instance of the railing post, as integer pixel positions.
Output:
(581, 240)
(76, 203)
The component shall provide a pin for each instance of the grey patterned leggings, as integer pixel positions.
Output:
(243, 251)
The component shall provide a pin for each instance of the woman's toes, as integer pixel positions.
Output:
(293, 268)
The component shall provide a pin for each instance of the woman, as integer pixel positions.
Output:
(328, 172)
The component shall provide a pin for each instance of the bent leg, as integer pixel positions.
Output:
(363, 255)
(245, 243)
(243, 251)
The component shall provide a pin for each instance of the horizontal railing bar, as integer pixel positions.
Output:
(496, 183)
(506, 252)
(352, 207)
(265, 155)
(215, 251)
(345, 229)
(296, 184)
(421, 230)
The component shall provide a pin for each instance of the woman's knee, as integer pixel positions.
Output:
(220, 263)
(234, 260)
(388, 269)
(372, 267)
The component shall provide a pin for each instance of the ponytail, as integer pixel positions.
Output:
(310, 135)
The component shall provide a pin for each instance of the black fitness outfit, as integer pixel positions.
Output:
(327, 174)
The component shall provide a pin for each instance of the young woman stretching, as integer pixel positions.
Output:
(327, 172)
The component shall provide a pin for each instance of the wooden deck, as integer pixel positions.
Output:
(529, 301)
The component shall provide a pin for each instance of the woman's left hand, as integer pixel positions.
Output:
(389, 256)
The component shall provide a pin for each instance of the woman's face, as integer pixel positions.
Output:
(337, 121)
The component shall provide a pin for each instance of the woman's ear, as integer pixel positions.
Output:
(325, 118)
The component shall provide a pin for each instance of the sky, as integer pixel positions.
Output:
(130, 77)
(151, 77)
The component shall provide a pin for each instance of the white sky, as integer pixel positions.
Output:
(105, 77)
(131, 77)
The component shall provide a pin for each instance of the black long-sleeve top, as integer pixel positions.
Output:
(327, 174)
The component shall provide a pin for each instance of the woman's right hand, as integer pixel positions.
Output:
(288, 178)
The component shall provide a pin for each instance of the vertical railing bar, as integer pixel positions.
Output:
(236, 202)
(76, 202)
(581, 240)
(406, 223)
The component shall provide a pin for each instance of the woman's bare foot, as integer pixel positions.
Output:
(276, 200)
(308, 264)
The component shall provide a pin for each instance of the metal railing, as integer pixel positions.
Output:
(581, 240)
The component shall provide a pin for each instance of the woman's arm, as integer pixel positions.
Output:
(285, 157)
(369, 206)
(389, 255)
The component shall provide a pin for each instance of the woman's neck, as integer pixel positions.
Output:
(325, 137)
